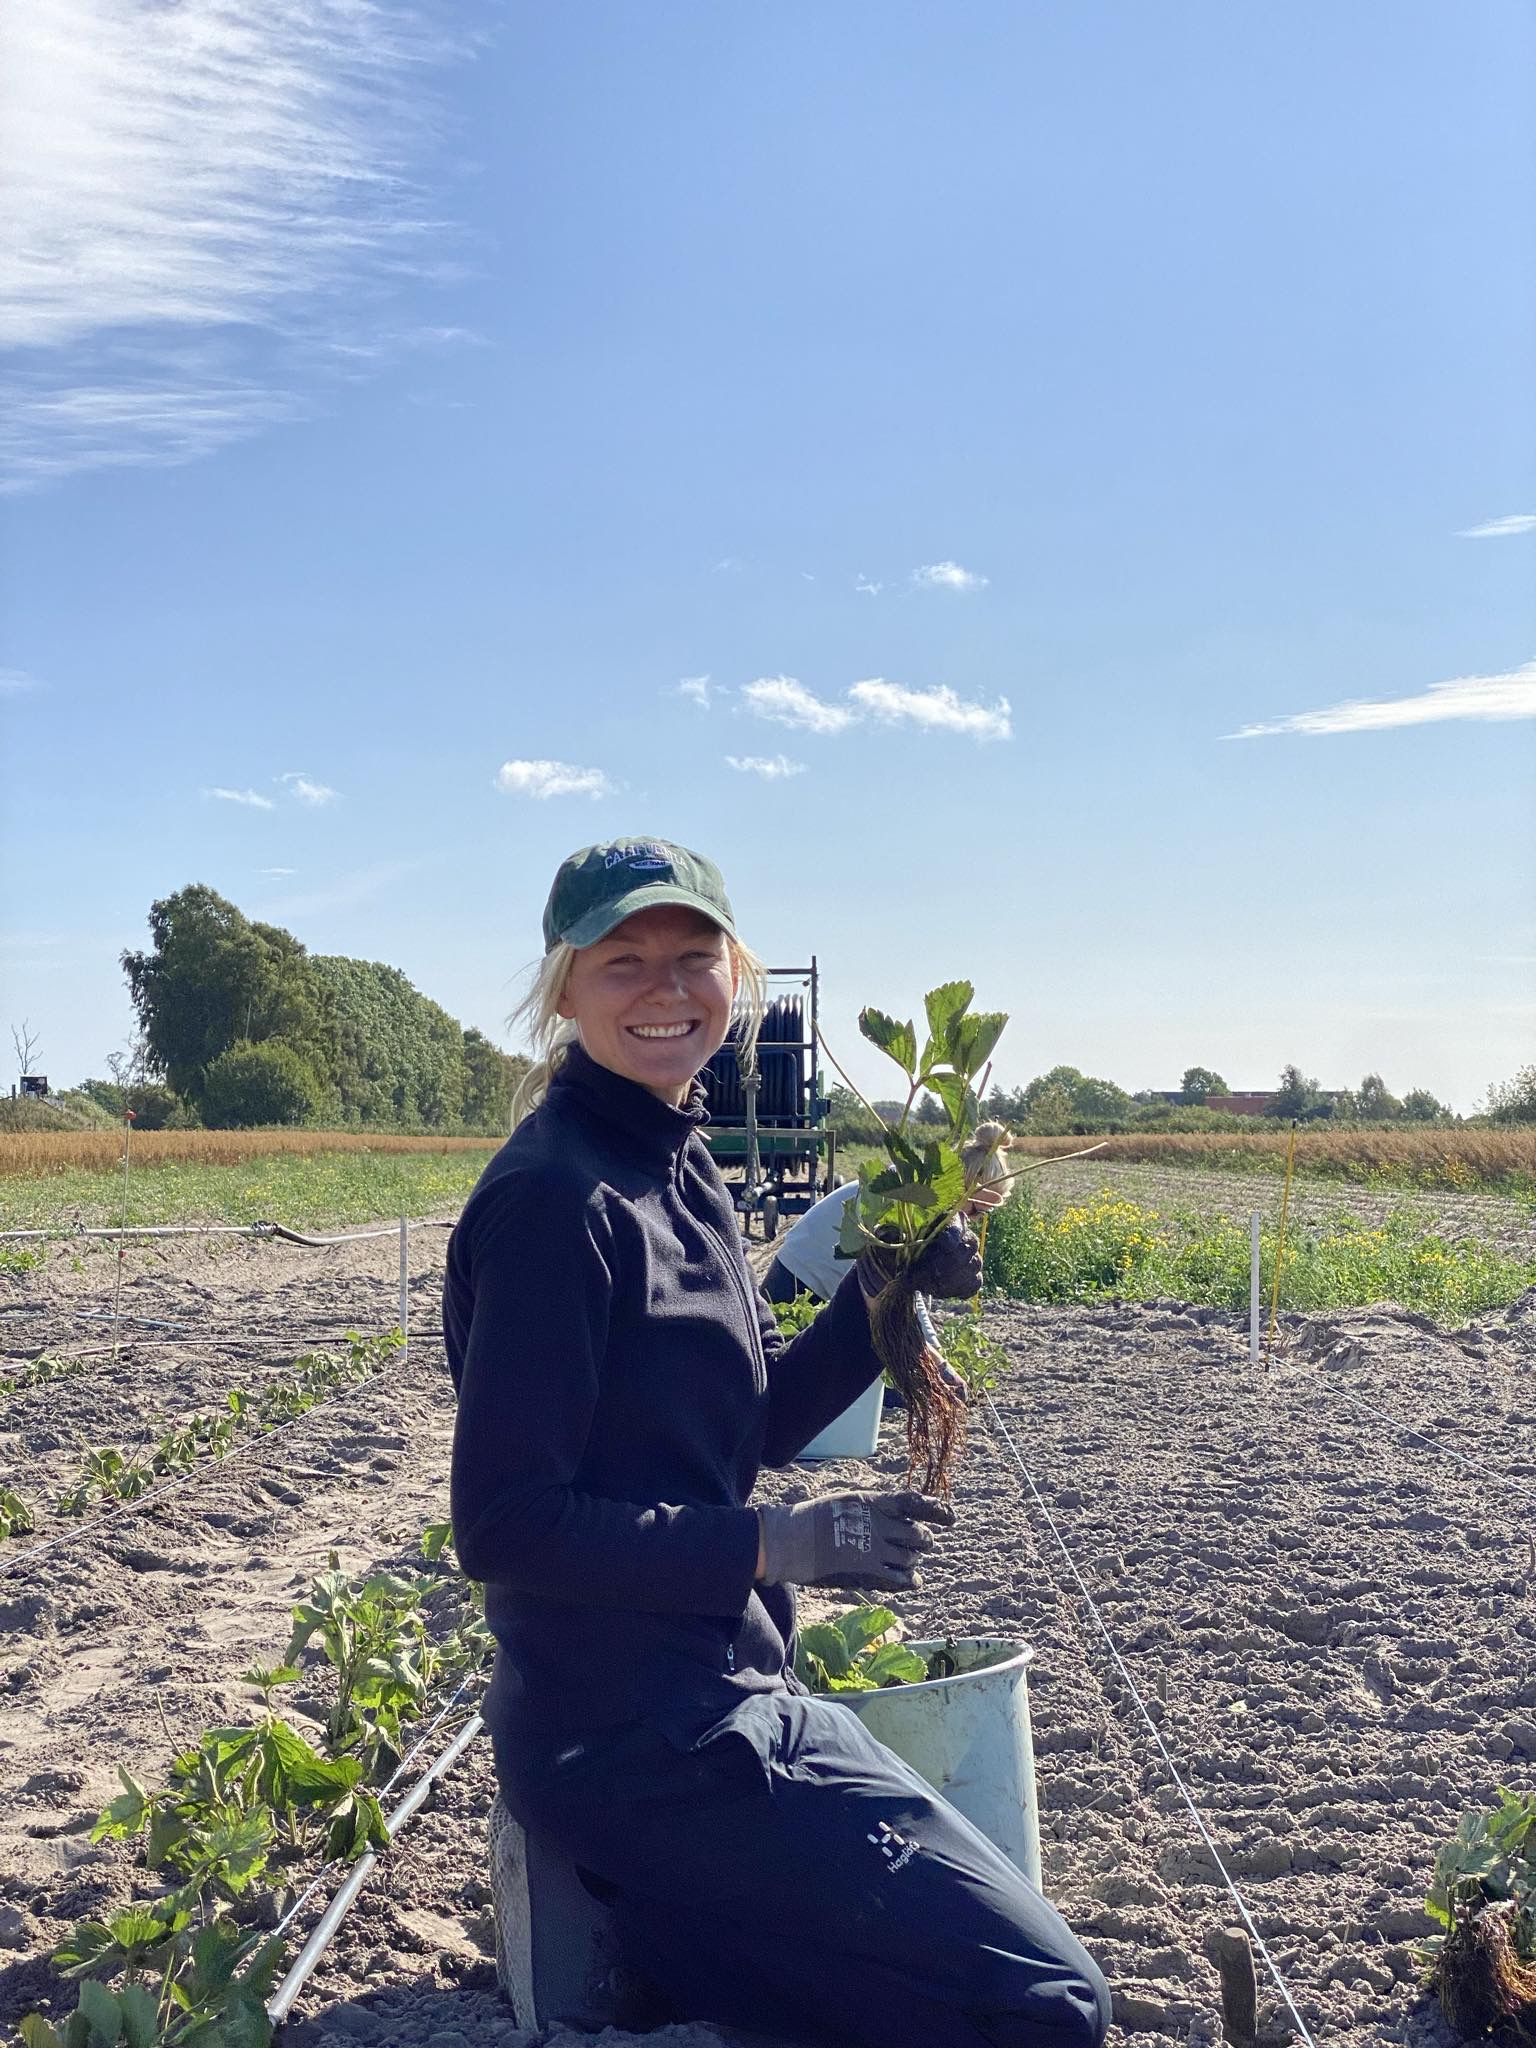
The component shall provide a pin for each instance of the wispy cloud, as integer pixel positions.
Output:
(1500, 529)
(867, 586)
(947, 576)
(13, 681)
(940, 709)
(208, 203)
(771, 767)
(696, 690)
(307, 790)
(276, 874)
(543, 779)
(788, 702)
(242, 796)
(1486, 697)
(344, 893)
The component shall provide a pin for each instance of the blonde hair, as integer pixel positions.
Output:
(982, 1153)
(550, 1034)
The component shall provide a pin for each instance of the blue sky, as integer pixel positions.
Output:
(1087, 451)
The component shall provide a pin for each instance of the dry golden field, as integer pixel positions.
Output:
(1431, 1157)
(35, 1152)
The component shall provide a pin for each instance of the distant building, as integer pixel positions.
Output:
(1247, 1102)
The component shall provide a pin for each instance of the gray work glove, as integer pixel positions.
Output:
(850, 1539)
(950, 1268)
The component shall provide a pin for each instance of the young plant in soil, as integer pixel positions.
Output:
(979, 1359)
(1483, 1894)
(374, 1637)
(40, 1372)
(16, 1518)
(182, 1983)
(247, 1799)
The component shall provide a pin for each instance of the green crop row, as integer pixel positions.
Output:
(108, 1473)
(187, 1965)
(1043, 1251)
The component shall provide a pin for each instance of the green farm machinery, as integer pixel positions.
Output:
(768, 1130)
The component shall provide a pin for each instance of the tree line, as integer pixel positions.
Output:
(241, 1026)
(1065, 1102)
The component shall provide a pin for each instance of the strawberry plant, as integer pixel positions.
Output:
(247, 1800)
(905, 1203)
(40, 1372)
(374, 1636)
(794, 1316)
(16, 1518)
(1483, 1895)
(979, 1359)
(859, 1651)
(205, 1984)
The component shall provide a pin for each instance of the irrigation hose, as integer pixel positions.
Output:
(72, 1231)
(281, 2001)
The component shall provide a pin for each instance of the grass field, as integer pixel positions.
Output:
(307, 1189)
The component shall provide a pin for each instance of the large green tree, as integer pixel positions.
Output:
(212, 979)
(1198, 1082)
(490, 1079)
(401, 1056)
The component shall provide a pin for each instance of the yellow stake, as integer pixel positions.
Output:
(1285, 1203)
(981, 1239)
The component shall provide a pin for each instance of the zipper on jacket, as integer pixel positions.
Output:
(743, 1293)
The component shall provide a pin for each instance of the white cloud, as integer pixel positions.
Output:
(552, 778)
(243, 796)
(208, 203)
(14, 680)
(788, 702)
(940, 709)
(695, 690)
(1491, 697)
(771, 767)
(948, 576)
(1499, 529)
(276, 874)
(306, 790)
(869, 588)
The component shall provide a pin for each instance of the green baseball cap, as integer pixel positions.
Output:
(596, 889)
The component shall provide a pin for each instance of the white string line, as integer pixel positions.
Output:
(91, 1525)
(1152, 1728)
(1379, 1414)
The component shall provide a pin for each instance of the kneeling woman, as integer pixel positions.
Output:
(621, 1382)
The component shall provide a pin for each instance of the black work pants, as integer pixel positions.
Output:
(788, 1874)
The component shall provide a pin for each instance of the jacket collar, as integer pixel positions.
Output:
(656, 1130)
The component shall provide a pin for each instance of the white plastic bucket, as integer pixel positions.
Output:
(969, 1736)
(856, 1432)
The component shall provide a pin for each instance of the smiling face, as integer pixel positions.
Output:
(652, 1001)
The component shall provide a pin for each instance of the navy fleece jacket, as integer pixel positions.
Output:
(621, 1382)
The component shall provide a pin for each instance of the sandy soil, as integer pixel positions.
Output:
(1333, 1624)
